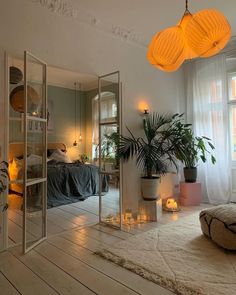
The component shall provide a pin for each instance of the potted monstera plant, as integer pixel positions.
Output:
(153, 151)
(189, 149)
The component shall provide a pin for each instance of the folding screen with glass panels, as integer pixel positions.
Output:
(110, 198)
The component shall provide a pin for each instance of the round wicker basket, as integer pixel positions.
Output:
(17, 99)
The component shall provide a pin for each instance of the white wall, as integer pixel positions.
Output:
(65, 42)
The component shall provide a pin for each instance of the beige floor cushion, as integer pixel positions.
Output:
(219, 224)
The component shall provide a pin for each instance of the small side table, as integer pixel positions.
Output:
(190, 194)
(150, 210)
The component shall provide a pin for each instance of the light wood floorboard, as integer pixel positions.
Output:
(66, 264)
(6, 287)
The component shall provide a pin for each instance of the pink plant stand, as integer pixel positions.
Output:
(190, 194)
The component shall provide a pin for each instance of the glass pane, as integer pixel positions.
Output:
(36, 152)
(233, 132)
(34, 213)
(232, 88)
(109, 143)
(109, 162)
(36, 133)
(110, 198)
(1, 222)
(109, 99)
(35, 88)
(16, 127)
(16, 87)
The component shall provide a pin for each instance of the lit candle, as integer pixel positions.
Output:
(109, 218)
(128, 213)
(117, 219)
(171, 204)
(138, 218)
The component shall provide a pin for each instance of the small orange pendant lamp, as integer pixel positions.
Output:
(199, 35)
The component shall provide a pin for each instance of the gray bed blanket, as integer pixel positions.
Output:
(69, 183)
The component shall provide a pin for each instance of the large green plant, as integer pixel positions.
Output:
(188, 148)
(154, 151)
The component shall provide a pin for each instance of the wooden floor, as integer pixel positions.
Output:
(59, 219)
(66, 264)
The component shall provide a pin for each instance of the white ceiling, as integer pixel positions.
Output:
(66, 78)
(146, 17)
(57, 76)
(142, 18)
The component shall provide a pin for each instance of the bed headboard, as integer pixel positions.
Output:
(16, 149)
(57, 145)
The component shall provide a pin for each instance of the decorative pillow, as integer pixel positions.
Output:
(51, 151)
(59, 156)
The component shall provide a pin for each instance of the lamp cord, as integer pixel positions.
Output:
(186, 8)
(80, 114)
(75, 111)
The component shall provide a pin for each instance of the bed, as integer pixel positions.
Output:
(67, 182)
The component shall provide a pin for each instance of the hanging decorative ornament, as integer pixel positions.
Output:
(208, 32)
(166, 50)
(199, 35)
(75, 118)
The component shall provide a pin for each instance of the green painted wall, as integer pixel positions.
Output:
(61, 103)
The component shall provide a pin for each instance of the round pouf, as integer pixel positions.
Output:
(219, 224)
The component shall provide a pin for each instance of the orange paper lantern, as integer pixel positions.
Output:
(207, 32)
(166, 50)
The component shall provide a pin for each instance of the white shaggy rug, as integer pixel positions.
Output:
(178, 257)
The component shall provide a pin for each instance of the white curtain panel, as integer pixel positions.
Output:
(207, 110)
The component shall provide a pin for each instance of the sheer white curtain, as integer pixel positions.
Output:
(207, 110)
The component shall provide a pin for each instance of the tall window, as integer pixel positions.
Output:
(108, 114)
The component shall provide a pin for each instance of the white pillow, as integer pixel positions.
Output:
(59, 156)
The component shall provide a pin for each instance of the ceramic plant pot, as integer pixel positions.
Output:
(190, 174)
(149, 188)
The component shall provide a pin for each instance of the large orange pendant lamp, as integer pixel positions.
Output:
(199, 35)
(208, 32)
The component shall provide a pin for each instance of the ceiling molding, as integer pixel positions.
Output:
(64, 8)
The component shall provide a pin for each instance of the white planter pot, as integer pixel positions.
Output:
(149, 188)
